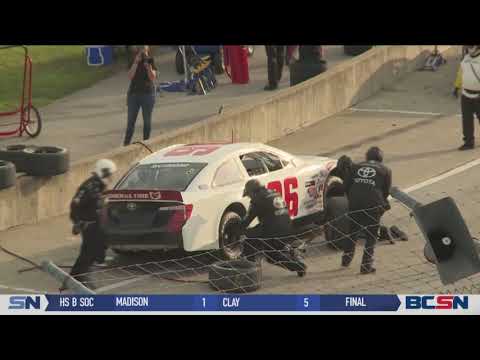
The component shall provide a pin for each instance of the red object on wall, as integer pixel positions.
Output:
(236, 63)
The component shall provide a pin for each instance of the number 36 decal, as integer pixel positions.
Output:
(285, 190)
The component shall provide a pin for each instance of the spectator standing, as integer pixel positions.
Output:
(141, 93)
(468, 80)
(275, 61)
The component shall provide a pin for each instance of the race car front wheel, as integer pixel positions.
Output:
(230, 245)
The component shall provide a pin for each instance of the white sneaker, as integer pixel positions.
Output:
(105, 263)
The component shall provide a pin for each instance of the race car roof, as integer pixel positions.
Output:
(204, 153)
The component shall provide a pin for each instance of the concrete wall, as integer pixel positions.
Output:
(34, 199)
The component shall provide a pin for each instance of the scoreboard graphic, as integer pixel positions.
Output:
(213, 304)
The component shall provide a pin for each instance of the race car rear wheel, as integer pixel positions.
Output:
(230, 245)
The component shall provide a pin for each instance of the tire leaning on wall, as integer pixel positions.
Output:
(46, 161)
(8, 174)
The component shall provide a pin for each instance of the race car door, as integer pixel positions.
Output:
(276, 174)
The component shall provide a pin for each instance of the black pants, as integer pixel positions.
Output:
(470, 107)
(257, 244)
(275, 61)
(135, 102)
(364, 224)
(93, 249)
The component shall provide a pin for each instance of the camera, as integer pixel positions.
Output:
(146, 59)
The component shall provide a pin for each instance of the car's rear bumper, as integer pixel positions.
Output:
(144, 240)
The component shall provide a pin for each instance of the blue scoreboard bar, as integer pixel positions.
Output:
(222, 303)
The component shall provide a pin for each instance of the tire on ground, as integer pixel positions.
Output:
(235, 276)
(16, 155)
(7, 174)
(46, 161)
(337, 224)
(229, 218)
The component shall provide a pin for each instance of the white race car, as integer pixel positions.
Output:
(189, 196)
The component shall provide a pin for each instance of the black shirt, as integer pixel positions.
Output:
(141, 84)
(368, 185)
(85, 203)
(272, 213)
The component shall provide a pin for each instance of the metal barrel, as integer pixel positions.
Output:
(64, 278)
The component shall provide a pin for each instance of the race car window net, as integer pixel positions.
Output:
(272, 161)
(162, 176)
(253, 164)
(228, 173)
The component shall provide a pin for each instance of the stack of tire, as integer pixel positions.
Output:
(32, 161)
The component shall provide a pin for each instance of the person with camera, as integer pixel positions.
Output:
(367, 186)
(141, 93)
(84, 216)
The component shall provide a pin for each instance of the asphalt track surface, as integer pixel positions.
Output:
(415, 122)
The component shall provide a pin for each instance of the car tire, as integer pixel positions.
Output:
(7, 174)
(337, 225)
(235, 276)
(334, 187)
(46, 161)
(354, 50)
(230, 246)
(16, 155)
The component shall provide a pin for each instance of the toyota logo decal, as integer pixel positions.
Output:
(366, 172)
(131, 206)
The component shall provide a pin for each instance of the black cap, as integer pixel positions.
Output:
(375, 154)
(251, 187)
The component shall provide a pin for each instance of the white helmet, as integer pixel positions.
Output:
(105, 168)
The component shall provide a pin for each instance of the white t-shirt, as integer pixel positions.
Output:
(471, 75)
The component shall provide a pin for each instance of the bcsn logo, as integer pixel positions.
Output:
(441, 302)
(25, 302)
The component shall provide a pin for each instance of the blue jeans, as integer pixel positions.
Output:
(134, 103)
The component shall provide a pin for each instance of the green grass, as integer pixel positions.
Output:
(57, 72)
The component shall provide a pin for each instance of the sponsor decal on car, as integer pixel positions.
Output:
(143, 195)
(155, 195)
(312, 192)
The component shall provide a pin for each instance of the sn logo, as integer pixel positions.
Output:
(24, 302)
